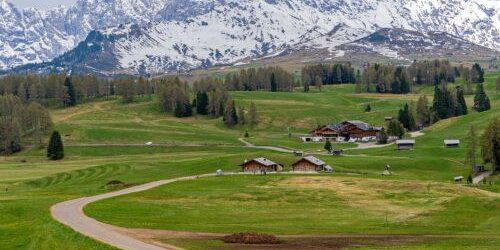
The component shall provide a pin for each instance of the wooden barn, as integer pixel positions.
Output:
(405, 144)
(309, 164)
(260, 165)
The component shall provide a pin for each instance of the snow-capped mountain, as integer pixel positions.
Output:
(155, 36)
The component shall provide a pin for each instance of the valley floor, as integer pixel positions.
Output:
(419, 207)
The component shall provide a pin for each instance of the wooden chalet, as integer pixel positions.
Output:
(358, 130)
(260, 165)
(310, 164)
(405, 144)
(345, 130)
(328, 132)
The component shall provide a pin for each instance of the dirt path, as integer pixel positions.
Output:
(480, 177)
(70, 213)
(273, 148)
(72, 112)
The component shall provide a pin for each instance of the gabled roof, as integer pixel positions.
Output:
(448, 142)
(262, 161)
(362, 125)
(312, 160)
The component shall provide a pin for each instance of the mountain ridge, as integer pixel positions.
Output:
(174, 35)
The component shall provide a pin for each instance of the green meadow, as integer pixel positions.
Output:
(105, 142)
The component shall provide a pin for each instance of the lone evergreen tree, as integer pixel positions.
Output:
(55, 150)
(328, 146)
(71, 92)
(481, 100)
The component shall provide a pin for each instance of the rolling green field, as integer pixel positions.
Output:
(105, 141)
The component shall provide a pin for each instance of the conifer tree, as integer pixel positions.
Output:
(55, 150)
(461, 106)
(202, 103)
(179, 109)
(481, 100)
(230, 116)
(328, 146)
(274, 85)
(477, 73)
(441, 102)
(406, 118)
(71, 91)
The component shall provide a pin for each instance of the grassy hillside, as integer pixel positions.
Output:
(105, 141)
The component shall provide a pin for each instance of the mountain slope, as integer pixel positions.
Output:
(178, 35)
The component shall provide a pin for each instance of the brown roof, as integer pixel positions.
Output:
(262, 161)
(313, 160)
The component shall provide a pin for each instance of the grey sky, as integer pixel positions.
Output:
(41, 4)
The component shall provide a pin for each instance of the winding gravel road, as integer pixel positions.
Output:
(70, 213)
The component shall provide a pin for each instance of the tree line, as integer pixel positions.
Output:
(400, 80)
(447, 103)
(270, 78)
(20, 119)
(325, 74)
(59, 90)
(208, 96)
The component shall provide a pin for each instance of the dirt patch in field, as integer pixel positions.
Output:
(401, 200)
(317, 242)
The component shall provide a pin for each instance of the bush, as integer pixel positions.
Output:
(115, 183)
(251, 238)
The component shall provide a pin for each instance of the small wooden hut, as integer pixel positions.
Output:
(260, 165)
(309, 164)
(405, 144)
